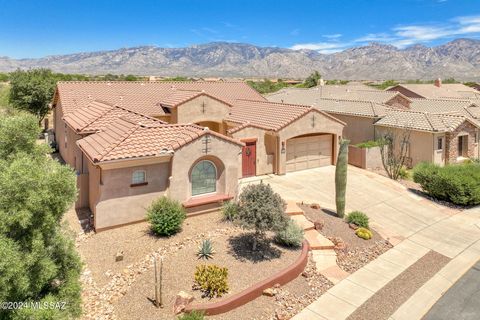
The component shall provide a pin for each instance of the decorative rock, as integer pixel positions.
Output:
(269, 292)
(315, 206)
(119, 256)
(182, 299)
(318, 225)
(353, 226)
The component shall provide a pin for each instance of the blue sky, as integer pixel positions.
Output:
(40, 28)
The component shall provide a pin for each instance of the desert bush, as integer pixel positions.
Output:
(262, 210)
(194, 315)
(403, 173)
(368, 144)
(166, 216)
(212, 280)
(205, 251)
(230, 210)
(459, 183)
(359, 218)
(291, 236)
(364, 233)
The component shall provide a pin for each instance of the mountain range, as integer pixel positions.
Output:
(459, 59)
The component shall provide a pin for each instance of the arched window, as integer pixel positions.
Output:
(204, 178)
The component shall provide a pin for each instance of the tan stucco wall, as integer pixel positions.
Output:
(265, 145)
(225, 156)
(305, 126)
(421, 143)
(120, 203)
(357, 129)
(192, 111)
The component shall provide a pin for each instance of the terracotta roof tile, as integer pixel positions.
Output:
(126, 140)
(422, 121)
(99, 115)
(266, 115)
(144, 97)
(344, 92)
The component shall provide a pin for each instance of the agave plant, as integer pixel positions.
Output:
(205, 251)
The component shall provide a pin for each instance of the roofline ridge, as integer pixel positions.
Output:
(127, 134)
(274, 102)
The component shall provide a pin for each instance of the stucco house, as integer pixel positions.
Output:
(131, 142)
(436, 90)
(441, 130)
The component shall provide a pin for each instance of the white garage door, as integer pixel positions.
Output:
(309, 152)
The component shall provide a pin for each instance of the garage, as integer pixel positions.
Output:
(309, 152)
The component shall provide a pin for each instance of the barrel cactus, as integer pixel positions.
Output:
(341, 177)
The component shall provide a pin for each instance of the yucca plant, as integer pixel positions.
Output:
(205, 251)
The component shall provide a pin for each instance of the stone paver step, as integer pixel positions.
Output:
(303, 222)
(318, 241)
(324, 259)
(293, 209)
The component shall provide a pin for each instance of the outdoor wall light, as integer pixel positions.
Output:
(283, 146)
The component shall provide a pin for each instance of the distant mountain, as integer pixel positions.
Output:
(459, 59)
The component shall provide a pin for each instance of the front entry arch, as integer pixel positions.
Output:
(306, 152)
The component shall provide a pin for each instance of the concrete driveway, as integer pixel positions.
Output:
(393, 210)
(412, 223)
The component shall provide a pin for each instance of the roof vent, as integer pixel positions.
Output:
(206, 129)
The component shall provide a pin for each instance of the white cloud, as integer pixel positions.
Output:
(402, 36)
(322, 47)
(332, 36)
(378, 37)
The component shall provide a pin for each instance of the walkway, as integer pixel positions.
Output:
(413, 224)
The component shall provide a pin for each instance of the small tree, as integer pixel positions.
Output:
(341, 177)
(262, 210)
(312, 80)
(32, 91)
(394, 151)
(39, 262)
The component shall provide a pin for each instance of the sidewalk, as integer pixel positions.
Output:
(456, 237)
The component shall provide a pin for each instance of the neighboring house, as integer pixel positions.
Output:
(436, 90)
(131, 142)
(357, 92)
(437, 138)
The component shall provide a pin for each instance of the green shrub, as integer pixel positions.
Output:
(194, 315)
(166, 216)
(364, 233)
(291, 236)
(358, 218)
(211, 279)
(368, 144)
(230, 210)
(403, 174)
(459, 183)
(205, 251)
(261, 210)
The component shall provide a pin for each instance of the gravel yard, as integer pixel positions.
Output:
(232, 251)
(136, 241)
(358, 252)
(397, 291)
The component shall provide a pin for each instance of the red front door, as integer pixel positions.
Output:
(249, 159)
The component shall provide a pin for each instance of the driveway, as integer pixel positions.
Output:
(393, 210)
(412, 223)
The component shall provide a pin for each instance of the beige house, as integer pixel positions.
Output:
(436, 90)
(132, 142)
(441, 130)
(437, 138)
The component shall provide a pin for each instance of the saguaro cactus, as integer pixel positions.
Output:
(341, 177)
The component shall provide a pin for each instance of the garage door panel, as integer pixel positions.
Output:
(309, 152)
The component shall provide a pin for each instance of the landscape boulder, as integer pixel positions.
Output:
(182, 299)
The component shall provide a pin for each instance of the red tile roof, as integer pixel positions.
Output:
(144, 97)
(267, 115)
(178, 97)
(124, 139)
(99, 115)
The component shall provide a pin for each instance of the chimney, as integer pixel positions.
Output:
(438, 82)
